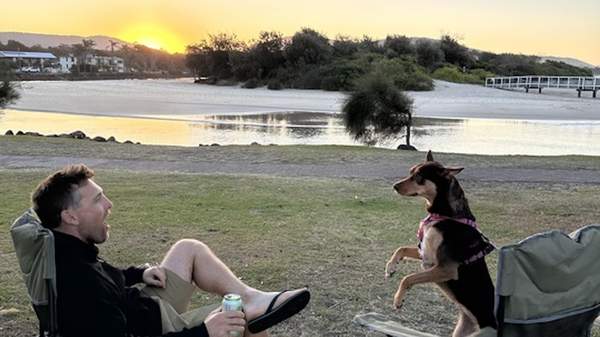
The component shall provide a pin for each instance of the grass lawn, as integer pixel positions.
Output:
(333, 235)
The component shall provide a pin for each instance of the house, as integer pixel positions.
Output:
(106, 63)
(98, 63)
(30, 61)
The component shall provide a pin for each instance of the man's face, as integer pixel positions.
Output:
(94, 207)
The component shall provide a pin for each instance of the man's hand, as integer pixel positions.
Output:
(155, 276)
(220, 323)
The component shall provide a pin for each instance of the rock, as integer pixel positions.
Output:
(127, 142)
(20, 133)
(138, 143)
(78, 134)
(215, 144)
(35, 134)
(254, 143)
(407, 147)
(9, 133)
(9, 312)
(99, 139)
(111, 139)
(53, 135)
(65, 135)
(201, 145)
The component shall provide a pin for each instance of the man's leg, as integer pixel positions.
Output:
(193, 261)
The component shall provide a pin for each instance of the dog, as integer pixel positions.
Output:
(451, 247)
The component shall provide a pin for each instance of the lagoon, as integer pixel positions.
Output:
(472, 135)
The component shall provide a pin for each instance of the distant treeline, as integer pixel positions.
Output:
(309, 60)
(137, 57)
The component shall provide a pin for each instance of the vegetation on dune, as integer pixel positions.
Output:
(309, 60)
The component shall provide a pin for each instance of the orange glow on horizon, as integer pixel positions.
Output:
(153, 36)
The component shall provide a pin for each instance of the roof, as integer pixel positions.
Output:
(24, 54)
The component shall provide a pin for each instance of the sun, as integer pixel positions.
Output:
(151, 43)
(153, 36)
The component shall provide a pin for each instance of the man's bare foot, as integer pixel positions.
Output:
(256, 302)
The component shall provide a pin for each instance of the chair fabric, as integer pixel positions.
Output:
(34, 247)
(549, 284)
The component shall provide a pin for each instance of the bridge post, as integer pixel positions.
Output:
(540, 90)
(527, 89)
(594, 94)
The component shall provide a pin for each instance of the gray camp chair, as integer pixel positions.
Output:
(34, 246)
(548, 285)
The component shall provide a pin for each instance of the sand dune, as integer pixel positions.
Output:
(181, 99)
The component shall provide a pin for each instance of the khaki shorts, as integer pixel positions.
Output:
(174, 300)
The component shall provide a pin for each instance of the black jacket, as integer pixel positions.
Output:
(95, 299)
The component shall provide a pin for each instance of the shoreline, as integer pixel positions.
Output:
(182, 100)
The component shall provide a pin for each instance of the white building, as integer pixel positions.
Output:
(66, 62)
(30, 61)
(101, 63)
(106, 63)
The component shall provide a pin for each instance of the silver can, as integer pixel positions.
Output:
(233, 302)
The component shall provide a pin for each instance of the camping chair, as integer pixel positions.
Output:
(34, 246)
(547, 285)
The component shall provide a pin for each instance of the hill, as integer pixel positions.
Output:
(53, 40)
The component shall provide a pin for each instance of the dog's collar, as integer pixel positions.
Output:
(434, 217)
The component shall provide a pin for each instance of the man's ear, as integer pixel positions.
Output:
(67, 216)
(429, 156)
(452, 171)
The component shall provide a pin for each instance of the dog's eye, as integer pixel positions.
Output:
(419, 179)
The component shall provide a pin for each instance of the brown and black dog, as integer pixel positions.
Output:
(451, 247)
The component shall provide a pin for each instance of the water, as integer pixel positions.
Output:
(478, 136)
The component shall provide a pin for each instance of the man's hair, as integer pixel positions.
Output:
(58, 192)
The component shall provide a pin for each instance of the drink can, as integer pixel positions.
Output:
(233, 302)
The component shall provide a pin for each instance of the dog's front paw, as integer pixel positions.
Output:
(399, 296)
(390, 268)
(398, 301)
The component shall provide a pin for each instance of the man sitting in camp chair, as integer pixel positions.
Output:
(97, 299)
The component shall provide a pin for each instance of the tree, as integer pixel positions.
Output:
(454, 52)
(308, 47)
(429, 54)
(399, 44)
(377, 111)
(268, 53)
(8, 93)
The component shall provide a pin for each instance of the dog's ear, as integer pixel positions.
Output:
(429, 156)
(452, 171)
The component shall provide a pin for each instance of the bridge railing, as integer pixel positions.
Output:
(533, 82)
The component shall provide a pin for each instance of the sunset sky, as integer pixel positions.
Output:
(554, 27)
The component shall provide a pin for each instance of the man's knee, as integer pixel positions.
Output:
(190, 245)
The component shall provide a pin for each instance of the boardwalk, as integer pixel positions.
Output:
(538, 82)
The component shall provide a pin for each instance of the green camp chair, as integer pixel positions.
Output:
(34, 246)
(548, 285)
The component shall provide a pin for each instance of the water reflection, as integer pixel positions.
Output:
(483, 136)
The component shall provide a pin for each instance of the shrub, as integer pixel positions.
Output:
(453, 74)
(251, 83)
(404, 74)
(274, 84)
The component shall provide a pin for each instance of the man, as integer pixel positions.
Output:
(97, 299)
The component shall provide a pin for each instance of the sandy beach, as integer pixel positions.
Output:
(181, 99)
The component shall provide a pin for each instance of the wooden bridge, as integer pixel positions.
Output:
(538, 82)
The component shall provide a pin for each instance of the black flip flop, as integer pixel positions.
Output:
(285, 310)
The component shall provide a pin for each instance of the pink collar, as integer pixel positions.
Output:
(434, 217)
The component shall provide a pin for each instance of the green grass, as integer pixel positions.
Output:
(275, 232)
(43, 146)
